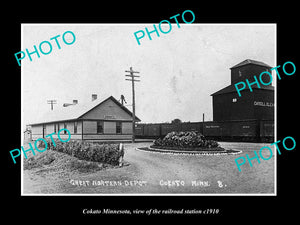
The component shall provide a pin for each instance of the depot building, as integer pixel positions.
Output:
(99, 119)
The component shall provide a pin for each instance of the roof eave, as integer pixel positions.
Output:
(248, 62)
(220, 92)
(54, 121)
(80, 117)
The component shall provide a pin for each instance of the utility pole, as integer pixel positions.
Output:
(203, 124)
(51, 102)
(132, 76)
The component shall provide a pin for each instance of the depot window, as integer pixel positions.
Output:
(234, 100)
(65, 127)
(75, 127)
(118, 127)
(99, 127)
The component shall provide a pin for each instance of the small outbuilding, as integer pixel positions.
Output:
(27, 135)
(99, 120)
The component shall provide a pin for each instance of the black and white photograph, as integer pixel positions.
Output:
(149, 109)
(149, 112)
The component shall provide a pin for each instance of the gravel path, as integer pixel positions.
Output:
(155, 173)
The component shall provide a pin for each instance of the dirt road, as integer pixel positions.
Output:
(155, 173)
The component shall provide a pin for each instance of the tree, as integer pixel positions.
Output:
(176, 121)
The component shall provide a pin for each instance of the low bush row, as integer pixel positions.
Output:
(95, 152)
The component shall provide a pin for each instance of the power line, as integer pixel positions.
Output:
(132, 79)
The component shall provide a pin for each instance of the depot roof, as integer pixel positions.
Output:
(231, 88)
(251, 61)
(76, 111)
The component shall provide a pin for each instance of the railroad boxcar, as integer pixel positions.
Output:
(266, 131)
(212, 129)
(139, 130)
(152, 130)
(169, 127)
(246, 130)
(191, 126)
(238, 130)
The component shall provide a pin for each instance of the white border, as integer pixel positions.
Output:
(155, 194)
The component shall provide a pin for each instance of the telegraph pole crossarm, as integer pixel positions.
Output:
(131, 71)
(132, 80)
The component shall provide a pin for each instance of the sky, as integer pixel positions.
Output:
(179, 70)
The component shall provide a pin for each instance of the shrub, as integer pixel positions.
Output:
(95, 152)
(189, 139)
(39, 161)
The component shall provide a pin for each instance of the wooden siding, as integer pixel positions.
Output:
(108, 110)
(49, 129)
(55, 137)
(107, 137)
(225, 109)
(37, 129)
(126, 128)
(90, 127)
(264, 112)
(86, 137)
(248, 72)
(110, 127)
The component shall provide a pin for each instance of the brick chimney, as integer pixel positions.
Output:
(94, 97)
(75, 102)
